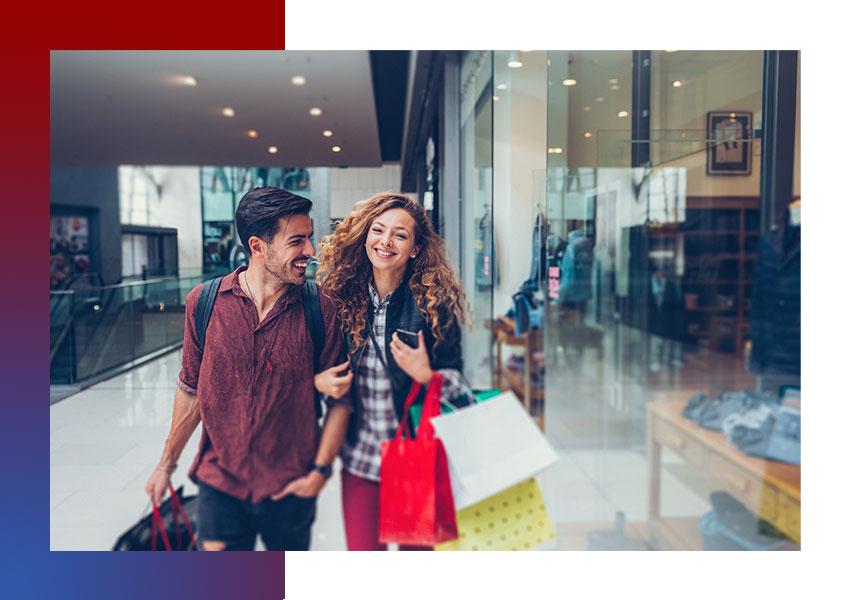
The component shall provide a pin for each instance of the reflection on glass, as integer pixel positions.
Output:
(672, 373)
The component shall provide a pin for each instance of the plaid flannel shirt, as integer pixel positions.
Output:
(379, 422)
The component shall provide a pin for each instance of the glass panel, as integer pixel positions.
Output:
(479, 263)
(652, 276)
(97, 329)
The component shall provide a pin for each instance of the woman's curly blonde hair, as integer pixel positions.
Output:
(345, 270)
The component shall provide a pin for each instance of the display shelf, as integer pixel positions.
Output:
(721, 216)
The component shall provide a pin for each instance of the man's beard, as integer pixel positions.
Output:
(284, 273)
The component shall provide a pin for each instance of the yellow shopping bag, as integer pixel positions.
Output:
(514, 519)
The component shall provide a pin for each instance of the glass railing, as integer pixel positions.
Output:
(100, 329)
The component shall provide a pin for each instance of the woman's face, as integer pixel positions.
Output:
(389, 242)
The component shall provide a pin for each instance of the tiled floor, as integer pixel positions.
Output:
(106, 440)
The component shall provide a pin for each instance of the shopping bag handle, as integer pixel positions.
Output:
(175, 502)
(430, 408)
(156, 520)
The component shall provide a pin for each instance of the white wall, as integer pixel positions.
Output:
(354, 184)
(177, 204)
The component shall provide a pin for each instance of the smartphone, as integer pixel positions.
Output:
(408, 337)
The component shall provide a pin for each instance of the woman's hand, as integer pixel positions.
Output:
(331, 381)
(413, 361)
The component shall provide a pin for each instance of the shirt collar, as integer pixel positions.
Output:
(231, 282)
(376, 301)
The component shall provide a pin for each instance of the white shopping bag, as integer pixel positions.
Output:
(491, 446)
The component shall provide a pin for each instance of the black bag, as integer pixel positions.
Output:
(139, 536)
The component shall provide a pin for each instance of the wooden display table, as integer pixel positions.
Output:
(769, 488)
(531, 341)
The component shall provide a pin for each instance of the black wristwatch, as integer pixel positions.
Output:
(325, 470)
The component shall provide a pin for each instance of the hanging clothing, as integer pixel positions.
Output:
(576, 268)
(775, 312)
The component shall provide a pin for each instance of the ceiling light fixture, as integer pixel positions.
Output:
(555, 150)
(190, 81)
(514, 61)
(496, 98)
(252, 133)
(587, 109)
(600, 99)
(336, 148)
(298, 80)
(677, 84)
(502, 86)
(613, 81)
(315, 111)
(587, 134)
(228, 112)
(614, 87)
(327, 133)
(272, 149)
(623, 113)
(569, 82)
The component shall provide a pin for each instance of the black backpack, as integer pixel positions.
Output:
(312, 312)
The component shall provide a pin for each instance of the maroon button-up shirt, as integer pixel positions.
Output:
(259, 425)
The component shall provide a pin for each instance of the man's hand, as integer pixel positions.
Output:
(308, 486)
(157, 485)
(331, 381)
(413, 361)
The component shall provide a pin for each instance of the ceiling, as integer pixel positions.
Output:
(133, 107)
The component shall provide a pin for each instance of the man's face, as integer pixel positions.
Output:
(286, 256)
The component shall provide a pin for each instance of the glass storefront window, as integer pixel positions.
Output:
(664, 362)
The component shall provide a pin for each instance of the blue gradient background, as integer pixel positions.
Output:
(28, 568)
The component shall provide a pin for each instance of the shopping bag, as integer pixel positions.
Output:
(466, 399)
(416, 505)
(514, 519)
(160, 530)
(491, 446)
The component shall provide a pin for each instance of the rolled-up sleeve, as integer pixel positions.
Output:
(333, 351)
(453, 385)
(192, 354)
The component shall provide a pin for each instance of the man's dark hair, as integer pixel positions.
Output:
(260, 210)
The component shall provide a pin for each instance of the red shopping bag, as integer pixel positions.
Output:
(416, 504)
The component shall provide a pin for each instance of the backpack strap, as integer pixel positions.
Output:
(316, 327)
(206, 300)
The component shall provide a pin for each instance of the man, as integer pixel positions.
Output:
(262, 459)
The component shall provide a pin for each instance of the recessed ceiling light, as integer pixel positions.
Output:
(252, 133)
(228, 112)
(677, 84)
(587, 109)
(600, 99)
(614, 87)
(613, 81)
(315, 111)
(555, 150)
(298, 80)
(336, 148)
(587, 134)
(272, 149)
(569, 82)
(190, 81)
(514, 61)
(623, 113)
(327, 133)
(502, 86)
(670, 51)
(496, 98)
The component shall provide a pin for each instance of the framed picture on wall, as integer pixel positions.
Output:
(729, 148)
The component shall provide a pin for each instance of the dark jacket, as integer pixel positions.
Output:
(402, 313)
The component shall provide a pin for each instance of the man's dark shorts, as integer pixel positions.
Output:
(283, 524)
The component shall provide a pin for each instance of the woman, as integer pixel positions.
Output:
(387, 269)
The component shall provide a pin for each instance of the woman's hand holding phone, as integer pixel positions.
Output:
(413, 361)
